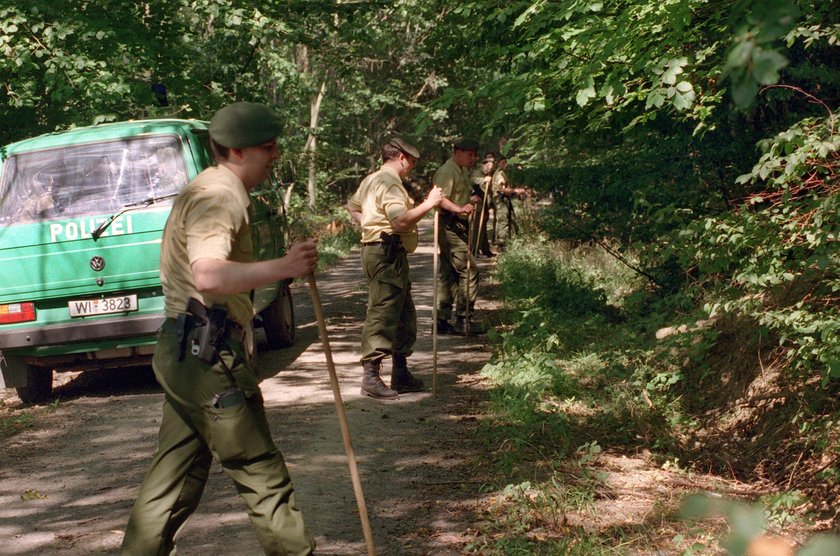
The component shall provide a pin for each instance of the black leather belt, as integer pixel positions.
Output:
(374, 243)
(234, 330)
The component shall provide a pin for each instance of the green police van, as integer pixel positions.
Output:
(81, 218)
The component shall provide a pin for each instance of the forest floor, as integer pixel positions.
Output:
(68, 478)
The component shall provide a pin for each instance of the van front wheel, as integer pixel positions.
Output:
(279, 319)
(38, 385)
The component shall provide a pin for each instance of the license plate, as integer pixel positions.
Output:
(103, 305)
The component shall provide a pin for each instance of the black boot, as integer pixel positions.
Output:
(475, 329)
(401, 378)
(443, 327)
(372, 384)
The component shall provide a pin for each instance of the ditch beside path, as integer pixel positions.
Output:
(68, 483)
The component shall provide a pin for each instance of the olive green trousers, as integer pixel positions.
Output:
(192, 433)
(504, 224)
(452, 273)
(480, 242)
(391, 319)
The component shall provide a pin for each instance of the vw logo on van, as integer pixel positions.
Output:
(97, 263)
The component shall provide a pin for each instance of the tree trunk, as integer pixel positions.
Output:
(311, 142)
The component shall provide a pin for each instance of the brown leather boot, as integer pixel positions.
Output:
(401, 378)
(372, 384)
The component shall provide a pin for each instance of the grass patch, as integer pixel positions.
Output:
(11, 424)
(333, 246)
(577, 366)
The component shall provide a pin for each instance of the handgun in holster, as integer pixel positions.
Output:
(209, 328)
(392, 244)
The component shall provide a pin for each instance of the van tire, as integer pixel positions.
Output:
(279, 319)
(38, 385)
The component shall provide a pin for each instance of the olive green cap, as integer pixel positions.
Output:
(465, 144)
(489, 157)
(402, 144)
(244, 124)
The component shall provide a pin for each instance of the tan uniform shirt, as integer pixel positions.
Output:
(477, 177)
(381, 198)
(454, 182)
(499, 180)
(209, 220)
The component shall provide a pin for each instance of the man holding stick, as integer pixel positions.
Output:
(481, 178)
(389, 219)
(505, 222)
(213, 408)
(458, 275)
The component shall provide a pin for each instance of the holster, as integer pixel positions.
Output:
(392, 243)
(206, 327)
(456, 224)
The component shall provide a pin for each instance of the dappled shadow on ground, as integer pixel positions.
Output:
(67, 484)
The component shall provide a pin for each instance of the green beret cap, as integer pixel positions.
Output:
(400, 142)
(465, 144)
(244, 124)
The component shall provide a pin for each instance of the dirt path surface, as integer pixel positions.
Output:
(68, 483)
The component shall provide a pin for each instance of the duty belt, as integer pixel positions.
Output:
(172, 325)
(206, 331)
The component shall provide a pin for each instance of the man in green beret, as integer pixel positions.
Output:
(389, 219)
(213, 408)
(454, 281)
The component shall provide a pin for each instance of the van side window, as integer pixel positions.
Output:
(90, 179)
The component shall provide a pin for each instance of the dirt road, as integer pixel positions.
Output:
(68, 483)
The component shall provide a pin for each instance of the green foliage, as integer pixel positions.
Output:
(334, 229)
(747, 522)
(74, 62)
(753, 61)
(775, 260)
(541, 277)
(562, 379)
(13, 424)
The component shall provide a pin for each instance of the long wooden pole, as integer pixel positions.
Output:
(435, 301)
(481, 219)
(342, 418)
(469, 274)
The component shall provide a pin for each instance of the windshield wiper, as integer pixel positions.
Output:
(97, 233)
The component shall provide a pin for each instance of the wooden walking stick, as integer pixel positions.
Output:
(469, 276)
(435, 301)
(481, 219)
(342, 418)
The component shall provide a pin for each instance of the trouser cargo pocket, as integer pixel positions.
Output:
(240, 432)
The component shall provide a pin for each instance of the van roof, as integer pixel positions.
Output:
(102, 132)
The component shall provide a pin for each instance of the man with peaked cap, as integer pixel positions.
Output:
(481, 177)
(389, 219)
(453, 278)
(213, 408)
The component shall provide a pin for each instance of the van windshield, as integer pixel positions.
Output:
(90, 179)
